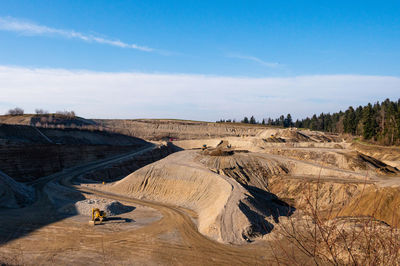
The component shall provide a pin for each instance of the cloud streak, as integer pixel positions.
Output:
(255, 59)
(200, 97)
(33, 29)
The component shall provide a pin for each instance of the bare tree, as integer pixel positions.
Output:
(15, 111)
(40, 111)
(67, 114)
(327, 238)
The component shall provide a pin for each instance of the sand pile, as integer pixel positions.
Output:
(227, 211)
(245, 168)
(84, 207)
(14, 194)
(222, 149)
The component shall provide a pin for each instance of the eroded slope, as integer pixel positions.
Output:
(227, 211)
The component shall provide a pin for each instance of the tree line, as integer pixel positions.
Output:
(281, 121)
(378, 122)
(17, 111)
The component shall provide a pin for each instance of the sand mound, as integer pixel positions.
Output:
(222, 149)
(84, 207)
(245, 168)
(227, 211)
(14, 194)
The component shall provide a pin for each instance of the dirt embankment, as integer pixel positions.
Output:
(380, 203)
(389, 155)
(154, 129)
(338, 158)
(33, 135)
(277, 135)
(26, 163)
(46, 120)
(27, 153)
(158, 129)
(122, 169)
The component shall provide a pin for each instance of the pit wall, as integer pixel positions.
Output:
(255, 144)
(120, 170)
(26, 163)
(154, 129)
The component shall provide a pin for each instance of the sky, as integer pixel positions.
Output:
(201, 60)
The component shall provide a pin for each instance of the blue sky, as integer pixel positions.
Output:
(272, 42)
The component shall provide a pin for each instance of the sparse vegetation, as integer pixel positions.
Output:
(326, 238)
(41, 111)
(66, 114)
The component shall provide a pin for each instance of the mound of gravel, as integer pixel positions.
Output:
(14, 194)
(84, 207)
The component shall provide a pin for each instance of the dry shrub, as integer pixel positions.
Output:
(324, 237)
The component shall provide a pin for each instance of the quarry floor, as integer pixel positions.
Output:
(152, 234)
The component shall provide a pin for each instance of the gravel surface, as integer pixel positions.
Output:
(84, 207)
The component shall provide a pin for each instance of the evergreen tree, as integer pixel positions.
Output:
(281, 121)
(288, 122)
(314, 123)
(349, 121)
(368, 122)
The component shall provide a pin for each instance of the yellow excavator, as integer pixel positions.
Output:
(97, 216)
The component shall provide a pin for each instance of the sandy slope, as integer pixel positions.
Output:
(227, 211)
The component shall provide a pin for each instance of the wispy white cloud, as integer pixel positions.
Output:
(31, 28)
(255, 59)
(202, 97)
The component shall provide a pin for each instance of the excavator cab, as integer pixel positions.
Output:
(97, 216)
